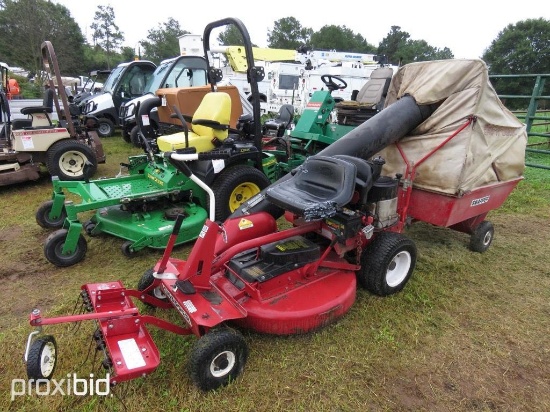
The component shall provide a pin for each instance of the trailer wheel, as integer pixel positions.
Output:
(482, 237)
(105, 127)
(42, 358)
(43, 216)
(217, 358)
(387, 263)
(147, 280)
(71, 160)
(54, 246)
(235, 185)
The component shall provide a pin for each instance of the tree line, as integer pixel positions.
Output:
(523, 47)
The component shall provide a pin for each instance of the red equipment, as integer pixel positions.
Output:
(346, 223)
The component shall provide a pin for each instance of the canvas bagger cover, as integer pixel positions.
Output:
(490, 150)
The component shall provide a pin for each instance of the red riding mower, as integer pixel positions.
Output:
(346, 219)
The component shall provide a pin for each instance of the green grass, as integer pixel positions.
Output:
(468, 333)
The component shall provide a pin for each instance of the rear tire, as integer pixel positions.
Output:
(71, 160)
(482, 237)
(105, 127)
(217, 358)
(135, 139)
(387, 263)
(235, 185)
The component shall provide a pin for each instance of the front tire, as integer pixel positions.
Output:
(42, 358)
(43, 216)
(54, 246)
(217, 358)
(147, 280)
(235, 185)
(71, 160)
(387, 263)
(105, 127)
(482, 237)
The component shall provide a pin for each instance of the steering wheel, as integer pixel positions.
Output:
(329, 81)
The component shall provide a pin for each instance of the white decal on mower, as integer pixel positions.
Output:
(181, 311)
(189, 306)
(131, 354)
(204, 229)
(480, 201)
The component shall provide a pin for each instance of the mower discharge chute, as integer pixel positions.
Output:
(346, 220)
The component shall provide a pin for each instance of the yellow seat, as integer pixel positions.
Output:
(216, 107)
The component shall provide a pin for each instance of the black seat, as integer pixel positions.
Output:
(365, 175)
(317, 189)
(46, 109)
(276, 127)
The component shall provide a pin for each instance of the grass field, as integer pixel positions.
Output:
(470, 332)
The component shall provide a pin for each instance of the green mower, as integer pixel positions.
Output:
(141, 206)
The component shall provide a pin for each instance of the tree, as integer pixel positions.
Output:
(390, 45)
(26, 24)
(520, 48)
(106, 33)
(231, 36)
(400, 49)
(163, 41)
(288, 33)
(340, 38)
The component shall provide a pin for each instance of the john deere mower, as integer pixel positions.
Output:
(141, 206)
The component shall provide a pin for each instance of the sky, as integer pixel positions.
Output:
(466, 27)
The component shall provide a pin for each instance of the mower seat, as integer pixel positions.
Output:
(39, 116)
(365, 175)
(368, 101)
(317, 188)
(210, 125)
(276, 127)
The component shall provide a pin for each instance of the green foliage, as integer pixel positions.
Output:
(523, 47)
(400, 49)
(26, 24)
(105, 31)
(288, 33)
(163, 41)
(230, 36)
(340, 38)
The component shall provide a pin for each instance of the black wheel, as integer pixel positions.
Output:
(217, 358)
(71, 160)
(89, 227)
(482, 237)
(42, 358)
(147, 280)
(54, 246)
(127, 249)
(233, 186)
(135, 138)
(105, 127)
(43, 216)
(387, 263)
(126, 136)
